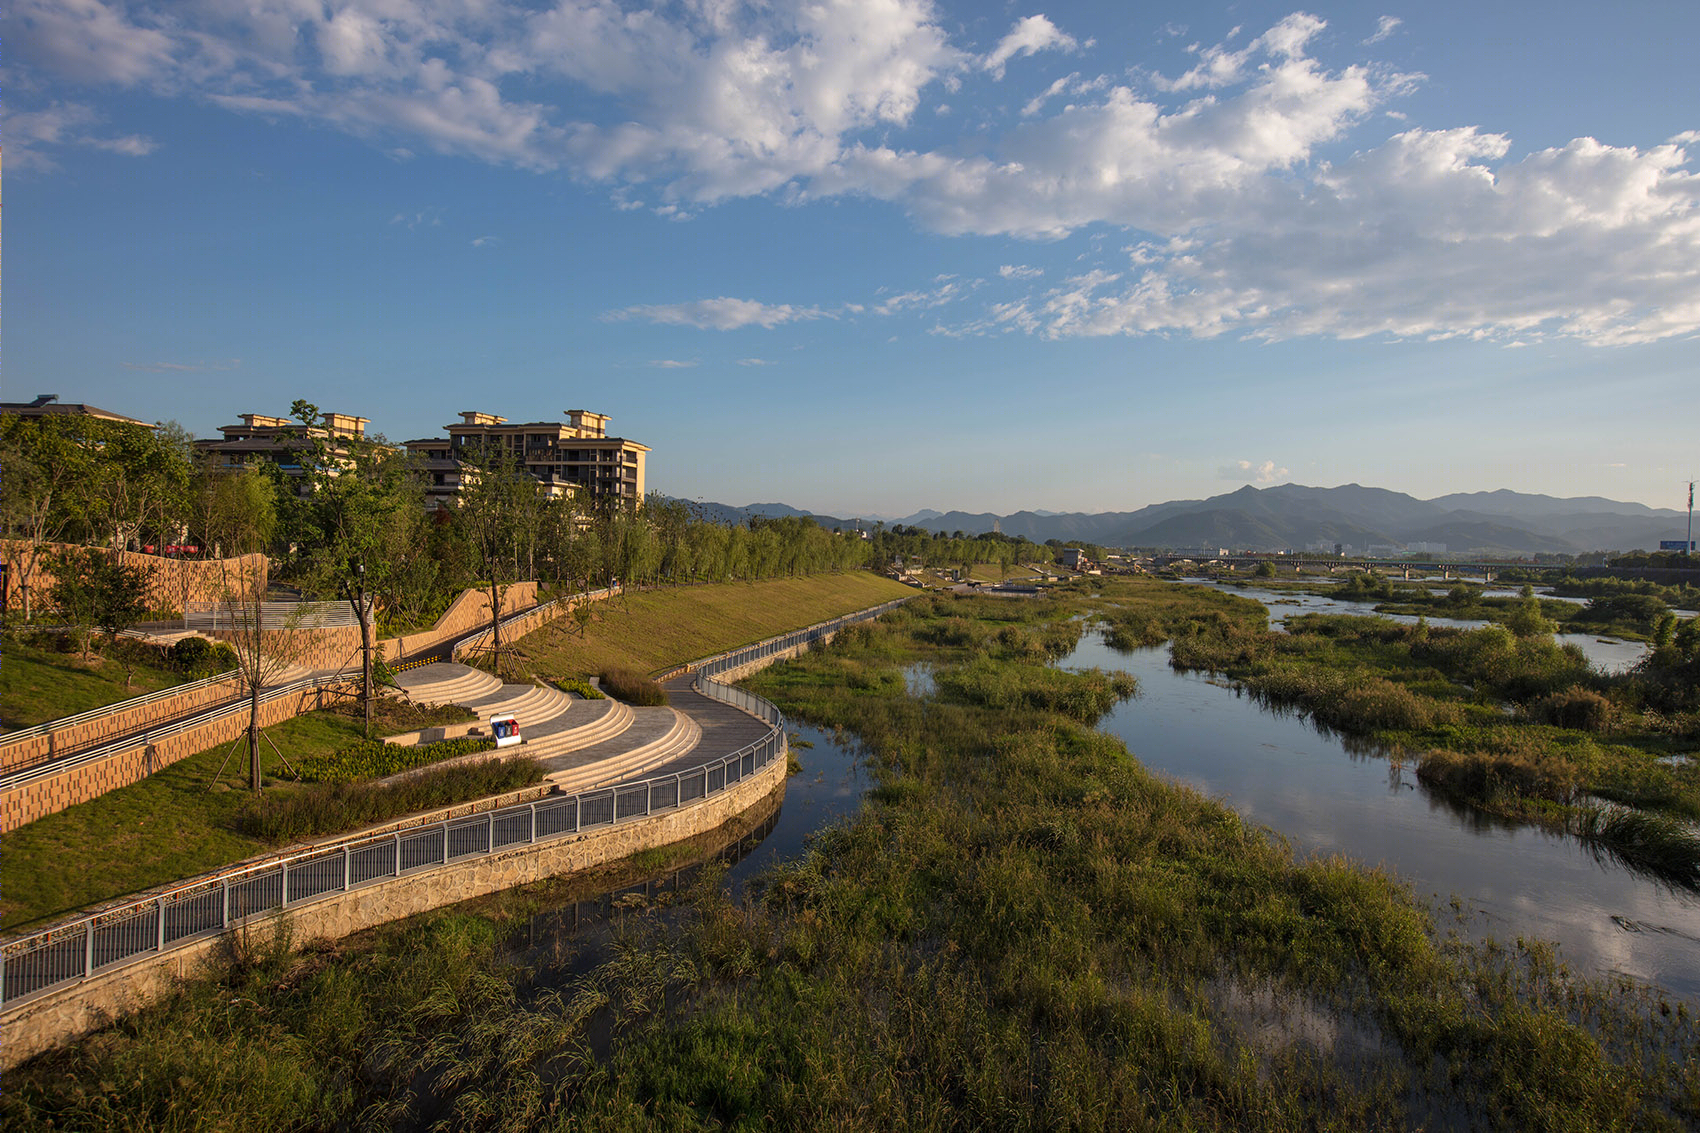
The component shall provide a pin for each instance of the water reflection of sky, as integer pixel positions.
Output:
(1606, 654)
(1278, 771)
(828, 789)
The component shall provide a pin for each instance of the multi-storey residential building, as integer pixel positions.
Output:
(576, 457)
(49, 405)
(280, 440)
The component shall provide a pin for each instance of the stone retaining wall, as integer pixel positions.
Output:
(55, 1018)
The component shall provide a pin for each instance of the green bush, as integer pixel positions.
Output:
(632, 687)
(374, 759)
(333, 808)
(580, 686)
(1576, 707)
(196, 657)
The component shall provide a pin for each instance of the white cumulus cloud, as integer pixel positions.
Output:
(1265, 473)
(1030, 35)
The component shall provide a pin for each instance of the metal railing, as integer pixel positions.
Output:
(737, 658)
(478, 636)
(133, 740)
(78, 949)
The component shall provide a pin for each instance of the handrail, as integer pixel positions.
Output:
(76, 949)
(111, 709)
(473, 637)
(170, 728)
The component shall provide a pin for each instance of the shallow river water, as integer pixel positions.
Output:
(1279, 771)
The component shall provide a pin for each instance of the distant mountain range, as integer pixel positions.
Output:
(1294, 517)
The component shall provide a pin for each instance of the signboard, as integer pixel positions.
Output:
(1676, 545)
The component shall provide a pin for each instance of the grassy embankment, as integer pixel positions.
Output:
(170, 826)
(657, 629)
(1515, 725)
(1022, 929)
(38, 685)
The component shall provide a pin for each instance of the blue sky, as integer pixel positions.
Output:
(866, 257)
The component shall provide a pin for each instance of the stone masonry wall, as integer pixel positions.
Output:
(58, 1017)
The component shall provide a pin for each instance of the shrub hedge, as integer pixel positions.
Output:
(374, 759)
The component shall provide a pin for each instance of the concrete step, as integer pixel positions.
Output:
(531, 704)
(589, 723)
(446, 683)
(605, 764)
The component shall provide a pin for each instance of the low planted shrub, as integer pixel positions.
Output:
(632, 687)
(197, 657)
(580, 686)
(334, 808)
(374, 759)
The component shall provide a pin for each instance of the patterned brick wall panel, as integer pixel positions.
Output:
(173, 581)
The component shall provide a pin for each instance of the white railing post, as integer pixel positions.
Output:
(88, 948)
(160, 936)
(226, 923)
(347, 868)
(532, 837)
(397, 854)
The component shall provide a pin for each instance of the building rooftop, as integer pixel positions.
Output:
(49, 405)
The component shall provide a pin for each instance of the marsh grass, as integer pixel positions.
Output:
(1021, 929)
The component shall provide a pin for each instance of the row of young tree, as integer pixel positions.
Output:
(345, 517)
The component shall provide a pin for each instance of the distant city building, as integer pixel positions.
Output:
(576, 457)
(1420, 548)
(49, 405)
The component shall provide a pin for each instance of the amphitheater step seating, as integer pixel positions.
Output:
(590, 722)
(445, 683)
(656, 736)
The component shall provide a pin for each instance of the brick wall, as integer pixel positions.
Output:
(31, 750)
(173, 581)
(30, 801)
(322, 647)
(468, 612)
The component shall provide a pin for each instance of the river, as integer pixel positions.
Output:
(1279, 771)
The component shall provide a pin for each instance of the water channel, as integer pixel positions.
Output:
(1281, 772)
(1311, 787)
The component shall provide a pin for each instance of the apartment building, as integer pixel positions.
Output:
(49, 405)
(279, 439)
(575, 457)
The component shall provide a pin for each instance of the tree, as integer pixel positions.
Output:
(358, 527)
(47, 464)
(264, 647)
(95, 589)
(499, 509)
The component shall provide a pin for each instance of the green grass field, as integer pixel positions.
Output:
(657, 629)
(37, 685)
